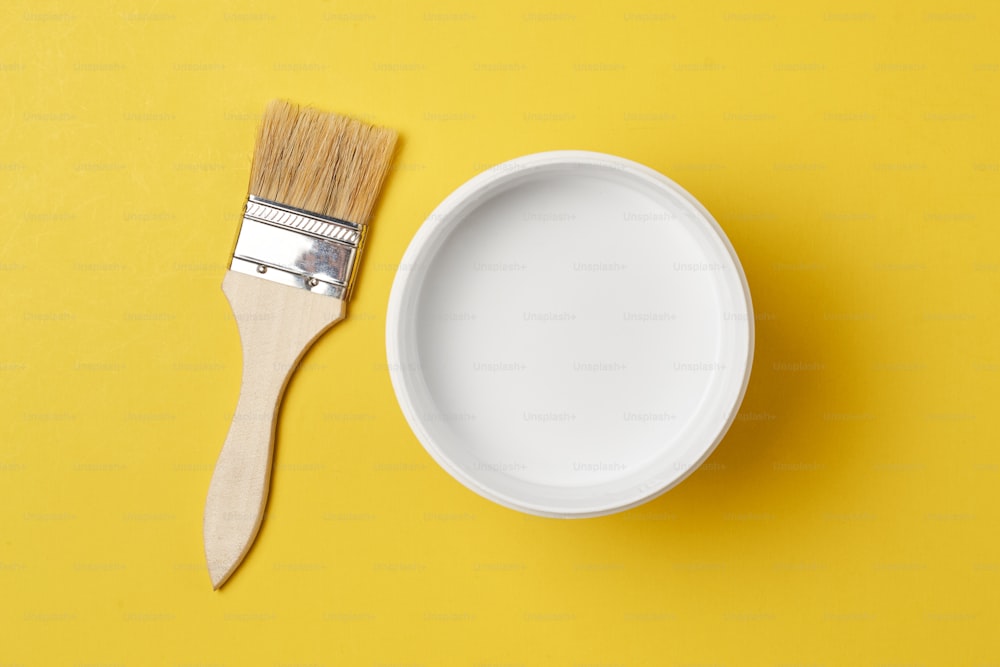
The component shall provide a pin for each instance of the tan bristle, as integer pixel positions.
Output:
(320, 162)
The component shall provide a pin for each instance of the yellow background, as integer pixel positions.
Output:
(849, 149)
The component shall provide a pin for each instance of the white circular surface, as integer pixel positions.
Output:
(569, 334)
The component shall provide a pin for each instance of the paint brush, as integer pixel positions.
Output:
(314, 180)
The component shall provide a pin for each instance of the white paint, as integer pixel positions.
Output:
(570, 334)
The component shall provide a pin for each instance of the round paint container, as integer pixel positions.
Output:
(570, 334)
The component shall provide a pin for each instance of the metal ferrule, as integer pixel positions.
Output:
(298, 248)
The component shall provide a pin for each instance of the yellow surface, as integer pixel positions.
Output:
(850, 150)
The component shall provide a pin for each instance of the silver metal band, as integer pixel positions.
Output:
(298, 248)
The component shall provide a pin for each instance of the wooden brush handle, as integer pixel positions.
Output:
(277, 325)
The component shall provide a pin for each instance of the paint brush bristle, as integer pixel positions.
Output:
(321, 162)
